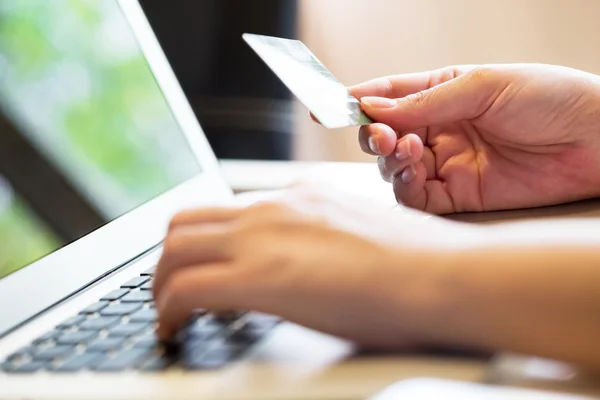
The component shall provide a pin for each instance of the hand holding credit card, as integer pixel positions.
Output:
(309, 80)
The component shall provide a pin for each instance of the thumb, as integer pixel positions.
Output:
(465, 97)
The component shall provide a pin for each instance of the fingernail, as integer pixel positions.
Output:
(373, 145)
(378, 102)
(408, 174)
(403, 152)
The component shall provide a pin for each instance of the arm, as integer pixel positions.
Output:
(389, 282)
(542, 300)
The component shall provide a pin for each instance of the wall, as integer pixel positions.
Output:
(359, 39)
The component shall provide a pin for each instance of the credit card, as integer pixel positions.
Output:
(309, 80)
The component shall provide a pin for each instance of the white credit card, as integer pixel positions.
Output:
(309, 80)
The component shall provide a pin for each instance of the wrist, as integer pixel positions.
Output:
(427, 294)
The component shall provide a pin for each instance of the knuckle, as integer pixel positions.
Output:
(266, 263)
(418, 99)
(268, 208)
(448, 72)
(275, 260)
(386, 85)
(178, 220)
(481, 73)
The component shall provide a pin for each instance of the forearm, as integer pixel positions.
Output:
(543, 301)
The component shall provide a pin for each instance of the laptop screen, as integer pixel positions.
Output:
(85, 132)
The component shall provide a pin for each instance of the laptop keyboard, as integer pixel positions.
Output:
(118, 333)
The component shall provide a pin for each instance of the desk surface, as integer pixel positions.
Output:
(360, 178)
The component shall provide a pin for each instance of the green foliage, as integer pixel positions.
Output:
(24, 239)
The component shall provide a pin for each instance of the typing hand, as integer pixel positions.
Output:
(485, 138)
(315, 257)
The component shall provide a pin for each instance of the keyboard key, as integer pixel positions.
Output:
(79, 362)
(139, 296)
(135, 282)
(71, 322)
(105, 344)
(53, 352)
(149, 272)
(120, 309)
(214, 358)
(128, 329)
(263, 321)
(115, 294)
(253, 330)
(157, 363)
(78, 337)
(94, 308)
(211, 319)
(202, 329)
(22, 352)
(144, 315)
(123, 360)
(146, 286)
(227, 317)
(147, 342)
(96, 324)
(151, 342)
(48, 336)
(190, 349)
(30, 367)
(246, 336)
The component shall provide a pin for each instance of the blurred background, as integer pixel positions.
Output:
(357, 40)
(85, 135)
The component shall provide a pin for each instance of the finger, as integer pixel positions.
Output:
(413, 190)
(396, 86)
(377, 139)
(409, 186)
(212, 287)
(204, 215)
(465, 97)
(422, 133)
(408, 151)
(192, 245)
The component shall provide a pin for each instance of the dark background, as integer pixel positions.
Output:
(242, 106)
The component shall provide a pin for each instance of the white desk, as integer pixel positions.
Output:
(364, 178)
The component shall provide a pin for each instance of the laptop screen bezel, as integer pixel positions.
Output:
(54, 278)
